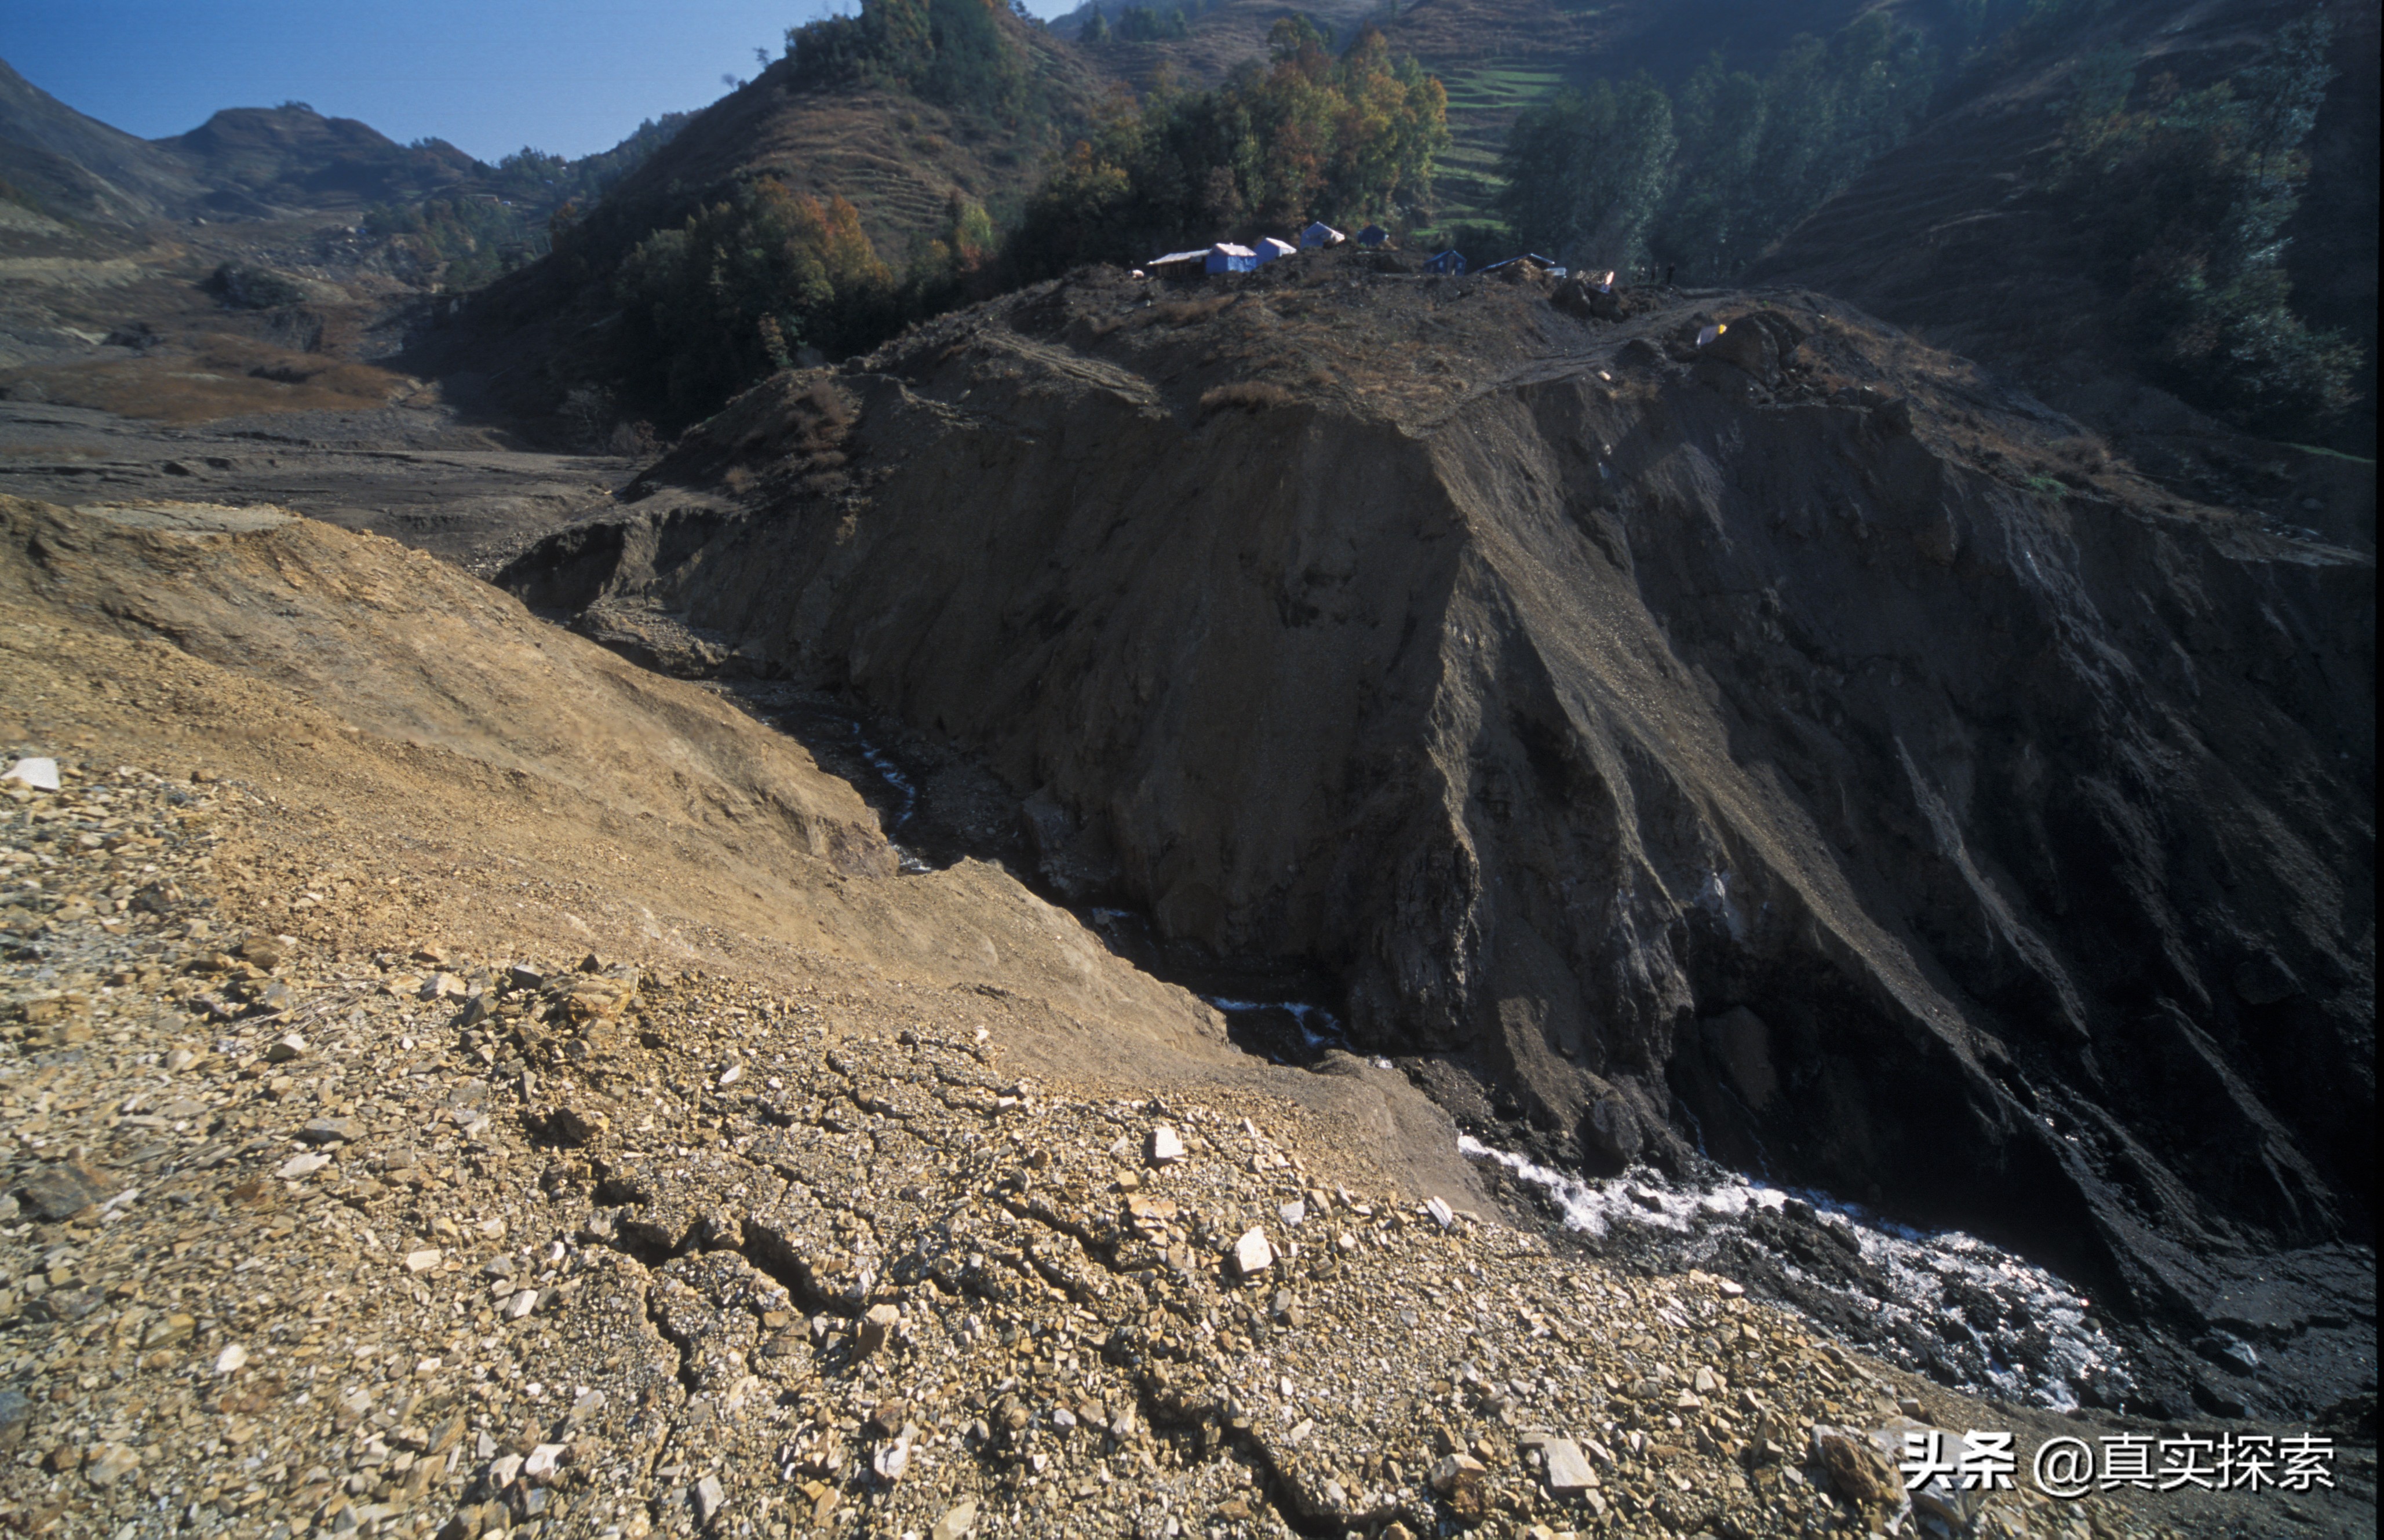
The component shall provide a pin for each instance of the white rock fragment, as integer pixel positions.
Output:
(114, 1463)
(957, 1522)
(1293, 1212)
(297, 1166)
(1457, 1471)
(423, 1261)
(502, 1469)
(1253, 1253)
(1731, 1288)
(733, 1073)
(542, 1461)
(230, 1358)
(42, 775)
(1441, 1215)
(286, 1047)
(1569, 1471)
(1166, 1146)
(521, 1304)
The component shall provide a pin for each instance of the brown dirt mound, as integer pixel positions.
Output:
(1799, 745)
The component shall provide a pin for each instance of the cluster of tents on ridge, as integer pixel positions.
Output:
(1228, 257)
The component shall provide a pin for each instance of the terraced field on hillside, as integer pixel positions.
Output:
(1483, 101)
(1497, 57)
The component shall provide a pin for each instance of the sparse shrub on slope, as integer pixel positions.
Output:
(1308, 136)
(475, 239)
(2183, 198)
(548, 182)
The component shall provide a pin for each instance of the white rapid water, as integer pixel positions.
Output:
(2038, 1341)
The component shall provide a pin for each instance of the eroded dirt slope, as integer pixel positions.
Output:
(1797, 746)
(447, 763)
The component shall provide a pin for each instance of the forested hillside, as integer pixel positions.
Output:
(2136, 196)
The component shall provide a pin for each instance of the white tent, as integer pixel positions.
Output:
(1320, 234)
(1269, 248)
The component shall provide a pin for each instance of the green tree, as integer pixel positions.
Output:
(1149, 24)
(1587, 173)
(957, 53)
(716, 304)
(1621, 173)
(1304, 136)
(1711, 225)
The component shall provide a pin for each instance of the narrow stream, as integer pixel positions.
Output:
(834, 736)
(1270, 1010)
(1943, 1302)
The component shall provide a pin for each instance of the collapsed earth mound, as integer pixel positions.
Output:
(1728, 724)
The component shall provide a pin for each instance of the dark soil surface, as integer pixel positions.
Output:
(419, 476)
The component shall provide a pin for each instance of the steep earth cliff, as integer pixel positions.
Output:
(1793, 745)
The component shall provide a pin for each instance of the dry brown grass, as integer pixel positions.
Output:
(1190, 312)
(2083, 453)
(1245, 395)
(216, 375)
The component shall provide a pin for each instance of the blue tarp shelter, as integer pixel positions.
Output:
(1227, 257)
(1271, 248)
(1449, 261)
(1374, 235)
(1320, 234)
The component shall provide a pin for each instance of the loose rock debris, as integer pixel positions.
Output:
(302, 1240)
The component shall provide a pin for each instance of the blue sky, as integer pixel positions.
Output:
(489, 76)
